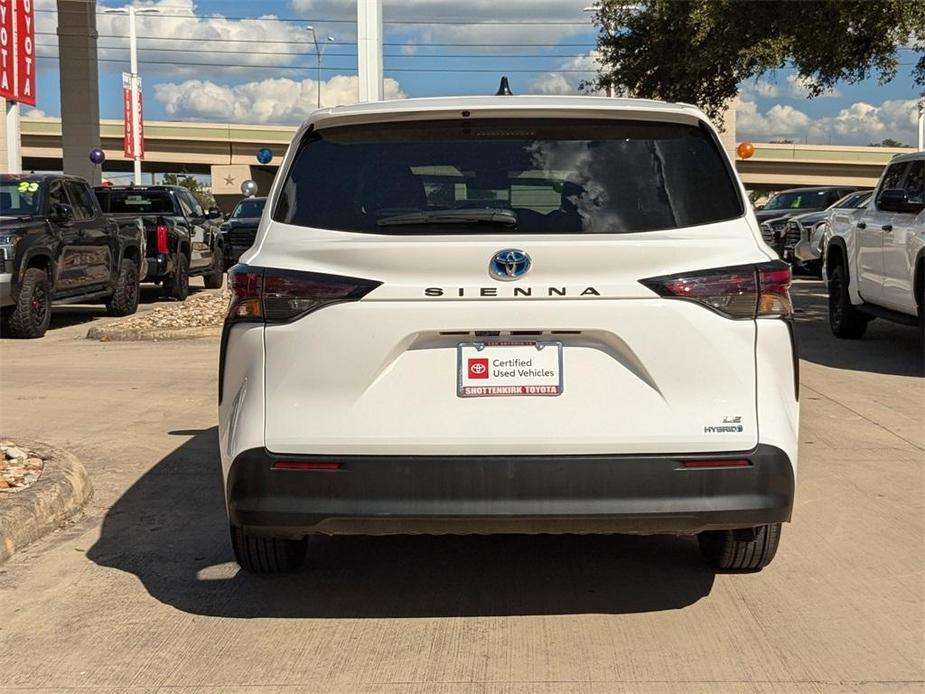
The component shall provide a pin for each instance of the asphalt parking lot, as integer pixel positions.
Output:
(142, 594)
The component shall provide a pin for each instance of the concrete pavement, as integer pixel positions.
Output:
(142, 594)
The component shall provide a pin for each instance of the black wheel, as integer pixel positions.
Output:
(751, 549)
(216, 275)
(257, 554)
(177, 286)
(844, 319)
(32, 312)
(124, 299)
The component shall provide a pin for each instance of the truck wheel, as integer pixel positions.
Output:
(844, 319)
(177, 286)
(32, 313)
(124, 299)
(257, 554)
(751, 549)
(216, 274)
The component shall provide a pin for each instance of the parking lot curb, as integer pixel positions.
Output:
(60, 492)
(115, 334)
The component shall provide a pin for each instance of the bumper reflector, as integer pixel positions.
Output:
(692, 464)
(304, 465)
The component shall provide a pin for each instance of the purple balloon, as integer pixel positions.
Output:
(97, 156)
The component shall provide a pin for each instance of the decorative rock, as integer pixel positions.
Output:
(13, 453)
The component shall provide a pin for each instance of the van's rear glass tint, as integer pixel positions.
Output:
(555, 175)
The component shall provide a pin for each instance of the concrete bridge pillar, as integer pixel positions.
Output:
(80, 95)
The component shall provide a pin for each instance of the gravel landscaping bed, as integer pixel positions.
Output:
(20, 467)
(200, 315)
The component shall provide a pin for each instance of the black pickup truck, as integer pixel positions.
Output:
(240, 230)
(56, 245)
(183, 239)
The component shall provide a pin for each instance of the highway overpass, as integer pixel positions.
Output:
(227, 152)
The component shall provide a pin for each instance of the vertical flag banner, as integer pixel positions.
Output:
(17, 51)
(141, 122)
(25, 45)
(7, 51)
(128, 140)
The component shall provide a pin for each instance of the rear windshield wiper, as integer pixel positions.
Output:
(486, 215)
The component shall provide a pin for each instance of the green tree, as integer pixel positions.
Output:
(888, 142)
(203, 194)
(698, 51)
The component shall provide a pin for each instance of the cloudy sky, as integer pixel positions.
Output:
(253, 61)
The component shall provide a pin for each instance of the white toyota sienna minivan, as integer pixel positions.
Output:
(510, 314)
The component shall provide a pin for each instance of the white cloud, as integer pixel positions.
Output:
(858, 124)
(179, 41)
(798, 88)
(29, 112)
(567, 82)
(780, 121)
(492, 22)
(762, 88)
(266, 101)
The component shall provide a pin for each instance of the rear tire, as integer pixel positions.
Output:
(740, 550)
(177, 285)
(124, 300)
(844, 319)
(216, 276)
(257, 554)
(32, 313)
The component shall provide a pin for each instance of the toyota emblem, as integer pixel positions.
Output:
(509, 264)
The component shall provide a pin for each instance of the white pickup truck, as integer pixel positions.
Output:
(875, 259)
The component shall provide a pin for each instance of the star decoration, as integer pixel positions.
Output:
(229, 180)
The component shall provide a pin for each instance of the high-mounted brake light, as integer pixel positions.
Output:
(741, 291)
(160, 238)
(266, 295)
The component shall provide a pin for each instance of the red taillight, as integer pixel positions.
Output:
(279, 296)
(246, 286)
(693, 464)
(160, 237)
(774, 283)
(304, 465)
(742, 291)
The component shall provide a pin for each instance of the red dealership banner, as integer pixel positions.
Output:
(128, 141)
(17, 51)
(7, 56)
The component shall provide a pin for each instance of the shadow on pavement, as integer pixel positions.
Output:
(886, 348)
(169, 528)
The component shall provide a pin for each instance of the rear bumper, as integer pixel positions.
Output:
(159, 266)
(519, 494)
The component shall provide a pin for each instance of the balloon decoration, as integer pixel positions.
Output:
(249, 188)
(745, 150)
(264, 155)
(97, 156)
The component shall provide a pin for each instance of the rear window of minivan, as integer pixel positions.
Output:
(554, 175)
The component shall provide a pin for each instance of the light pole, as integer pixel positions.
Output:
(133, 58)
(922, 124)
(319, 51)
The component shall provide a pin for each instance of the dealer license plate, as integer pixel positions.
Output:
(498, 369)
